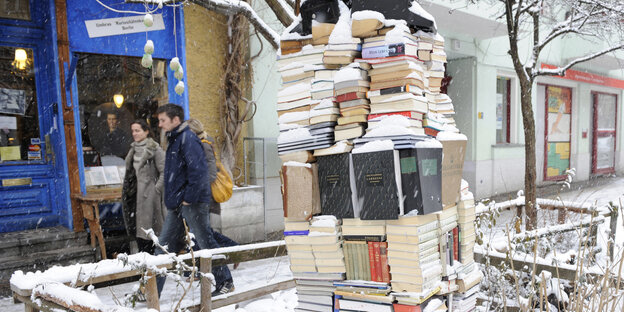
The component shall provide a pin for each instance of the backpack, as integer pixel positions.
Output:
(222, 186)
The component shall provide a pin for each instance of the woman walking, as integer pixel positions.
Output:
(143, 186)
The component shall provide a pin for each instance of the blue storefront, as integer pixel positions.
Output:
(71, 73)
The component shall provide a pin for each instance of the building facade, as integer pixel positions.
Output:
(72, 82)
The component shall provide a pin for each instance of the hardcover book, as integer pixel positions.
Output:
(421, 179)
(334, 185)
(378, 181)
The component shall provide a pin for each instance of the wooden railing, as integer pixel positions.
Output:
(44, 301)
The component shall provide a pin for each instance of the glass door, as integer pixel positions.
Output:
(603, 139)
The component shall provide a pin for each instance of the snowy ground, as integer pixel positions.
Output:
(247, 276)
(258, 273)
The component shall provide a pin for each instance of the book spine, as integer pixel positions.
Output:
(377, 262)
(291, 233)
(407, 114)
(337, 303)
(356, 261)
(383, 51)
(365, 262)
(363, 238)
(385, 91)
(347, 97)
(459, 240)
(406, 308)
(456, 244)
(371, 261)
(345, 253)
(383, 260)
(449, 248)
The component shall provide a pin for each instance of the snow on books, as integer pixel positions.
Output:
(342, 48)
(366, 23)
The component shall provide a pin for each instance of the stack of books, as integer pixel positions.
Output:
(359, 295)
(449, 247)
(466, 218)
(326, 242)
(305, 121)
(365, 250)
(298, 246)
(350, 86)
(413, 253)
(467, 301)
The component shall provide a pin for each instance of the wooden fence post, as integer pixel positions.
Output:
(205, 266)
(613, 226)
(151, 293)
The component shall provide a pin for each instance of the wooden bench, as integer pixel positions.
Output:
(89, 204)
(206, 259)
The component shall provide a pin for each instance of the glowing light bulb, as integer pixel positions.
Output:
(118, 99)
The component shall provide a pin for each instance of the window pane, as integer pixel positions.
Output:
(15, 9)
(105, 125)
(19, 118)
(606, 112)
(502, 107)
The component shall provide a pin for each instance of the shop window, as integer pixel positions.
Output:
(113, 91)
(503, 109)
(19, 118)
(15, 9)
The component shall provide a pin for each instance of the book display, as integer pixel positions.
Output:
(377, 216)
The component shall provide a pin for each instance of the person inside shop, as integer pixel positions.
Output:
(117, 141)
(143, 185)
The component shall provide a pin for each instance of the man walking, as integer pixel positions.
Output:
(187, 193)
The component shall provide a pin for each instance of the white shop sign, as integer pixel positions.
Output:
(122, 25)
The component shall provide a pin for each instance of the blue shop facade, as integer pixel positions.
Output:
(70, 75)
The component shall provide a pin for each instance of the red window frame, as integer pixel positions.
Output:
(597, 133)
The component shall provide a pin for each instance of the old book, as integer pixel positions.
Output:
(413, 287)
(329, 262)
(334, 185)
(397, 106)
(301, 197)
(424, 55)
(322, 247)
(301, 254)
(323, 118)
(325, 74)
(353, 103)
(343, 120)
(355, 111)
(321, 94)
(303, 268)
(361, 27)
(350, 96)
(411, 239)
(396, 66)
(349, 133)
(389, 50)
(413, 270)
(409, 114)
(290, 225)
(323, 239)
(357, 305)
(371, 260)
(383, 95)
(363, 230)
(293, 104)
(378, 181)
(338, 60)
(432, 274)
(421, 178)
(396, 83)
(302, 261)
(364, 297)
(345, 90)
(413, 220)
(409, 229)
(321, 32)
(314, 56)
(401, 74)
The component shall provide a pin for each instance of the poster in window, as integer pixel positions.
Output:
(499, 111)
(12, 101)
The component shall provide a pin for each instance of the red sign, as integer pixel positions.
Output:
(576, 75)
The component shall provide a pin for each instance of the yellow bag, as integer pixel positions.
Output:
(222, 186)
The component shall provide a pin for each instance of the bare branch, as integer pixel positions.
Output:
(284, 13)
(560, 71)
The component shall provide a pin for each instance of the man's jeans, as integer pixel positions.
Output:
(197, 218)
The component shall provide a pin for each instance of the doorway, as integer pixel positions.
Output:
(604, 132)
(557, 135)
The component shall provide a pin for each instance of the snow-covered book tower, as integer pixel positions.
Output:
(368, 140)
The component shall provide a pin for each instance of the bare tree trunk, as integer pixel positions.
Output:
(528, 120)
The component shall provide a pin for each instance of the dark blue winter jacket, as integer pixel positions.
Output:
(186, 169)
